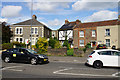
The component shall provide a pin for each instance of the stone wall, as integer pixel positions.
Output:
(61, 51)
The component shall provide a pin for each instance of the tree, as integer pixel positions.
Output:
(6, 33)
(42, 45)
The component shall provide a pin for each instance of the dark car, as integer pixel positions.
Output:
(23, 55)
(101, 46)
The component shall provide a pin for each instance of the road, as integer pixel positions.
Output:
(57, 70)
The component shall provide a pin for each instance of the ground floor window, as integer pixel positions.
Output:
(19, 39)
(81, 42)
(108, 42)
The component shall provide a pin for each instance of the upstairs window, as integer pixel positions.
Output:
(81, 33)
(19, 30)
(107, 32)
(34, 30)
(93, 33)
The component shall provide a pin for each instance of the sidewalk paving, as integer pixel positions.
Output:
(67, 59)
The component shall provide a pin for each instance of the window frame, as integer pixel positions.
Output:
(108, 43)
(82, 43)
(94, 33)
(107, 33)
(33, 30)
(17, 30)
(81, 35)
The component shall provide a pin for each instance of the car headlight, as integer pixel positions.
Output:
(41, 56)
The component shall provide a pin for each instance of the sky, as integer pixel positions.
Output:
(54, 13)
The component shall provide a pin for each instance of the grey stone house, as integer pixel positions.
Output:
(23, 30)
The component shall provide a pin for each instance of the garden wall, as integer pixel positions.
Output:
(56, 52)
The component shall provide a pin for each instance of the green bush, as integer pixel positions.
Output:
(7, 46)
(70, 52)
(84, 49)
(17, 44)
(66, 44)
(42, 45)
(54, 43)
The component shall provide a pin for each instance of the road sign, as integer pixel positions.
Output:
(26, 41)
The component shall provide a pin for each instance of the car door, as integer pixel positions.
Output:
(23, 55)
(107, 58)
(14, 54)
(116, 56)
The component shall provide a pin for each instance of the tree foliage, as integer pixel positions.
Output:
(42, 45)
(6, 33)
(54, 43)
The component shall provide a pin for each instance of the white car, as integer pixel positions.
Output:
(104, 57)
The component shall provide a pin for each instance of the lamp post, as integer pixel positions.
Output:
(31, 23)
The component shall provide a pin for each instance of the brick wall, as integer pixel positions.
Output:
(61, 51)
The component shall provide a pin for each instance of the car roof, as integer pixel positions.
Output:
(105, 50)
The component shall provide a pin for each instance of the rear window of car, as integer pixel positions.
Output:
(92, 52)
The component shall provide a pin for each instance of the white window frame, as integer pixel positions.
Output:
(93, 33)
(34, 32)
(81, 34)
(19, 39)
(34, 40)
(107, 32)
(18, 30)
(108, 43)
(82, 43)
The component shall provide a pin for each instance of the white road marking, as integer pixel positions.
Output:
(10, 67)
(115, 73)
(16, 70)
(61, 72)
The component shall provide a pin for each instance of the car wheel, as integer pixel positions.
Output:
(33, 61)
(97, 64)
(7, 59)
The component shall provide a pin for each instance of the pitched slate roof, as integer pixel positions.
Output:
(67, 26)
(28, 22)
(100, 23)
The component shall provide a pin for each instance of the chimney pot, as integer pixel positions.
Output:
(34, 17)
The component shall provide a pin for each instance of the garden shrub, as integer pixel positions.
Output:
(42, 45)
(7, 46)
(66, 44)
(17, 44)
(54, 43)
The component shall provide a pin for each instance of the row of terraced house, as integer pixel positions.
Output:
(78, 33)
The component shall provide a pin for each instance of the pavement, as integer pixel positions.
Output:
(67, 59)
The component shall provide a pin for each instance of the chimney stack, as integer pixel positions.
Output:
(34, 17)
(66, 21)
(78, 21)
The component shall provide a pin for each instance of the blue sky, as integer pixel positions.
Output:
(53, 14)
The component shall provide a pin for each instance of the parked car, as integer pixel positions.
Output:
(104, 57)
(101, 46)
(23, 55)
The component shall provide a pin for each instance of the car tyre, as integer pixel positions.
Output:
(97, 64)
(33, 61)
(7, 59)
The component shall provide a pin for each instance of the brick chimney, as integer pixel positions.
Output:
(34, 17)
(66, 21)
(78, 21)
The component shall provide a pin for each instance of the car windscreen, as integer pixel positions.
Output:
(31, 51)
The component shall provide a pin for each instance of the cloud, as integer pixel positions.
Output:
(17, 19)
(87, 5)
(55, 24)
(3, 20)
(11, 11)
(48, 6)
(102, 15)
